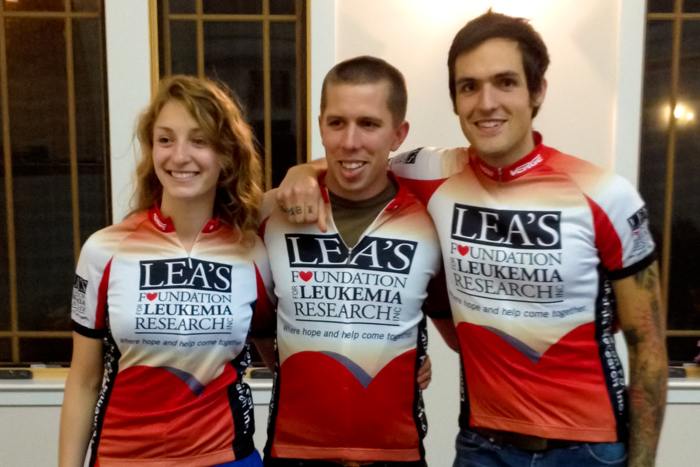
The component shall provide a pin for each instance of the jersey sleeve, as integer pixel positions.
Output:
(623, 239)
(423, 170)
(264, 319)
(88, 306)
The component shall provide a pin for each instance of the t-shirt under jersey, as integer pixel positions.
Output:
(174, 327)
(528, 251)
(351, 335)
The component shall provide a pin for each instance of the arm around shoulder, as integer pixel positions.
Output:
(299, 194)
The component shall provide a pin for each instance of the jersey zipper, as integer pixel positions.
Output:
(499, 176)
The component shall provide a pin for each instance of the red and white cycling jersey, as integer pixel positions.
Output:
(174, 327)
(529, 250)
(351, 335)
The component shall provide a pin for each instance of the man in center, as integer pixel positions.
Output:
(351, 327)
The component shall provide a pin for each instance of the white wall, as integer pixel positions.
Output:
(129, 90)
(592, 107)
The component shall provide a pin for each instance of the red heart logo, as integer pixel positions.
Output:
(305, 276)
(151, 296)
(463, 250)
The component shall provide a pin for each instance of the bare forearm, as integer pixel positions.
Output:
(76, 422)
(80, 397)
(647, 395)
(643, 321)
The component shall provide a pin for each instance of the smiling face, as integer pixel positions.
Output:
(184, 160)
(358, 133)
(493, 102)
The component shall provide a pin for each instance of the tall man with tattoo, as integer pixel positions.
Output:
(546, 256)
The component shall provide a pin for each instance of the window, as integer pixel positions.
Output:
(670, 162)
(256, 47)
(54, 191)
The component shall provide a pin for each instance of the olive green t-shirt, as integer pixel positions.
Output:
(353, 217)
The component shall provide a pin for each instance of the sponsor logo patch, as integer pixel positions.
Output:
(639, 224)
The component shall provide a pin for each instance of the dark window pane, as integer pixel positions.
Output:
(36, 59)
(682, 349)
(684, 293)
(182, 6)
(282, 7)
(655, 120)
(86, 5)
(233, 7)
(183, 47)
(660, 6)
(691, 6)
(45, 350)
(5, 350)
(34, 5)
(283, 90)
(90, 122)
(4, 259)
(233, 54)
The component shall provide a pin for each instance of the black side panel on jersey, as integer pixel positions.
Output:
(241, 404)
(418, 406)
(274, 405)
(464, 409)
(609, 359)
(110, 358)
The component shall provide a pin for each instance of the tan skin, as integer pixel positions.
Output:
(83, 386)
(493, 89)
(643, 321)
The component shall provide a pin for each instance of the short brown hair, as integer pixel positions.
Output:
(492, 25)
(238, 191)
(369, 70)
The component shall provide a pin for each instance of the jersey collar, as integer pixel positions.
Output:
(517, 169)
(165, 224)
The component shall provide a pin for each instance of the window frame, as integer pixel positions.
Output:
(14, 333)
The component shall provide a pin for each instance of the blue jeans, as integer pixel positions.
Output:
(253, 460)
(475, 451)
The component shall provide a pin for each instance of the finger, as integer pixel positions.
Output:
(310, 212)
(296, 213)
(322, 216)
(424, 380)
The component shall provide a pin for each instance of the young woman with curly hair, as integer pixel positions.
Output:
(164, 300)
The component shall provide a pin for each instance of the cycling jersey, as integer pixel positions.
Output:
(351, 336)
(174, 327)
(529, 250)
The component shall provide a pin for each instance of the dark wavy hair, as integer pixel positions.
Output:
(492, 25)
(238, 192)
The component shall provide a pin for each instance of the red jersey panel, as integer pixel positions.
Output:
(174, 327)
(529, 251)
(351, 335)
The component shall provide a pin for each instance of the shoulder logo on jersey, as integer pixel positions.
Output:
(187, 273)
(372, 253)
(508, 229)
(527, 166)
(639, 223)
(407, 158)
(78, 300)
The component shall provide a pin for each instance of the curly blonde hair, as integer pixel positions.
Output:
(238, 191)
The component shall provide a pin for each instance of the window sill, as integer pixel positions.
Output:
(46, 389)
